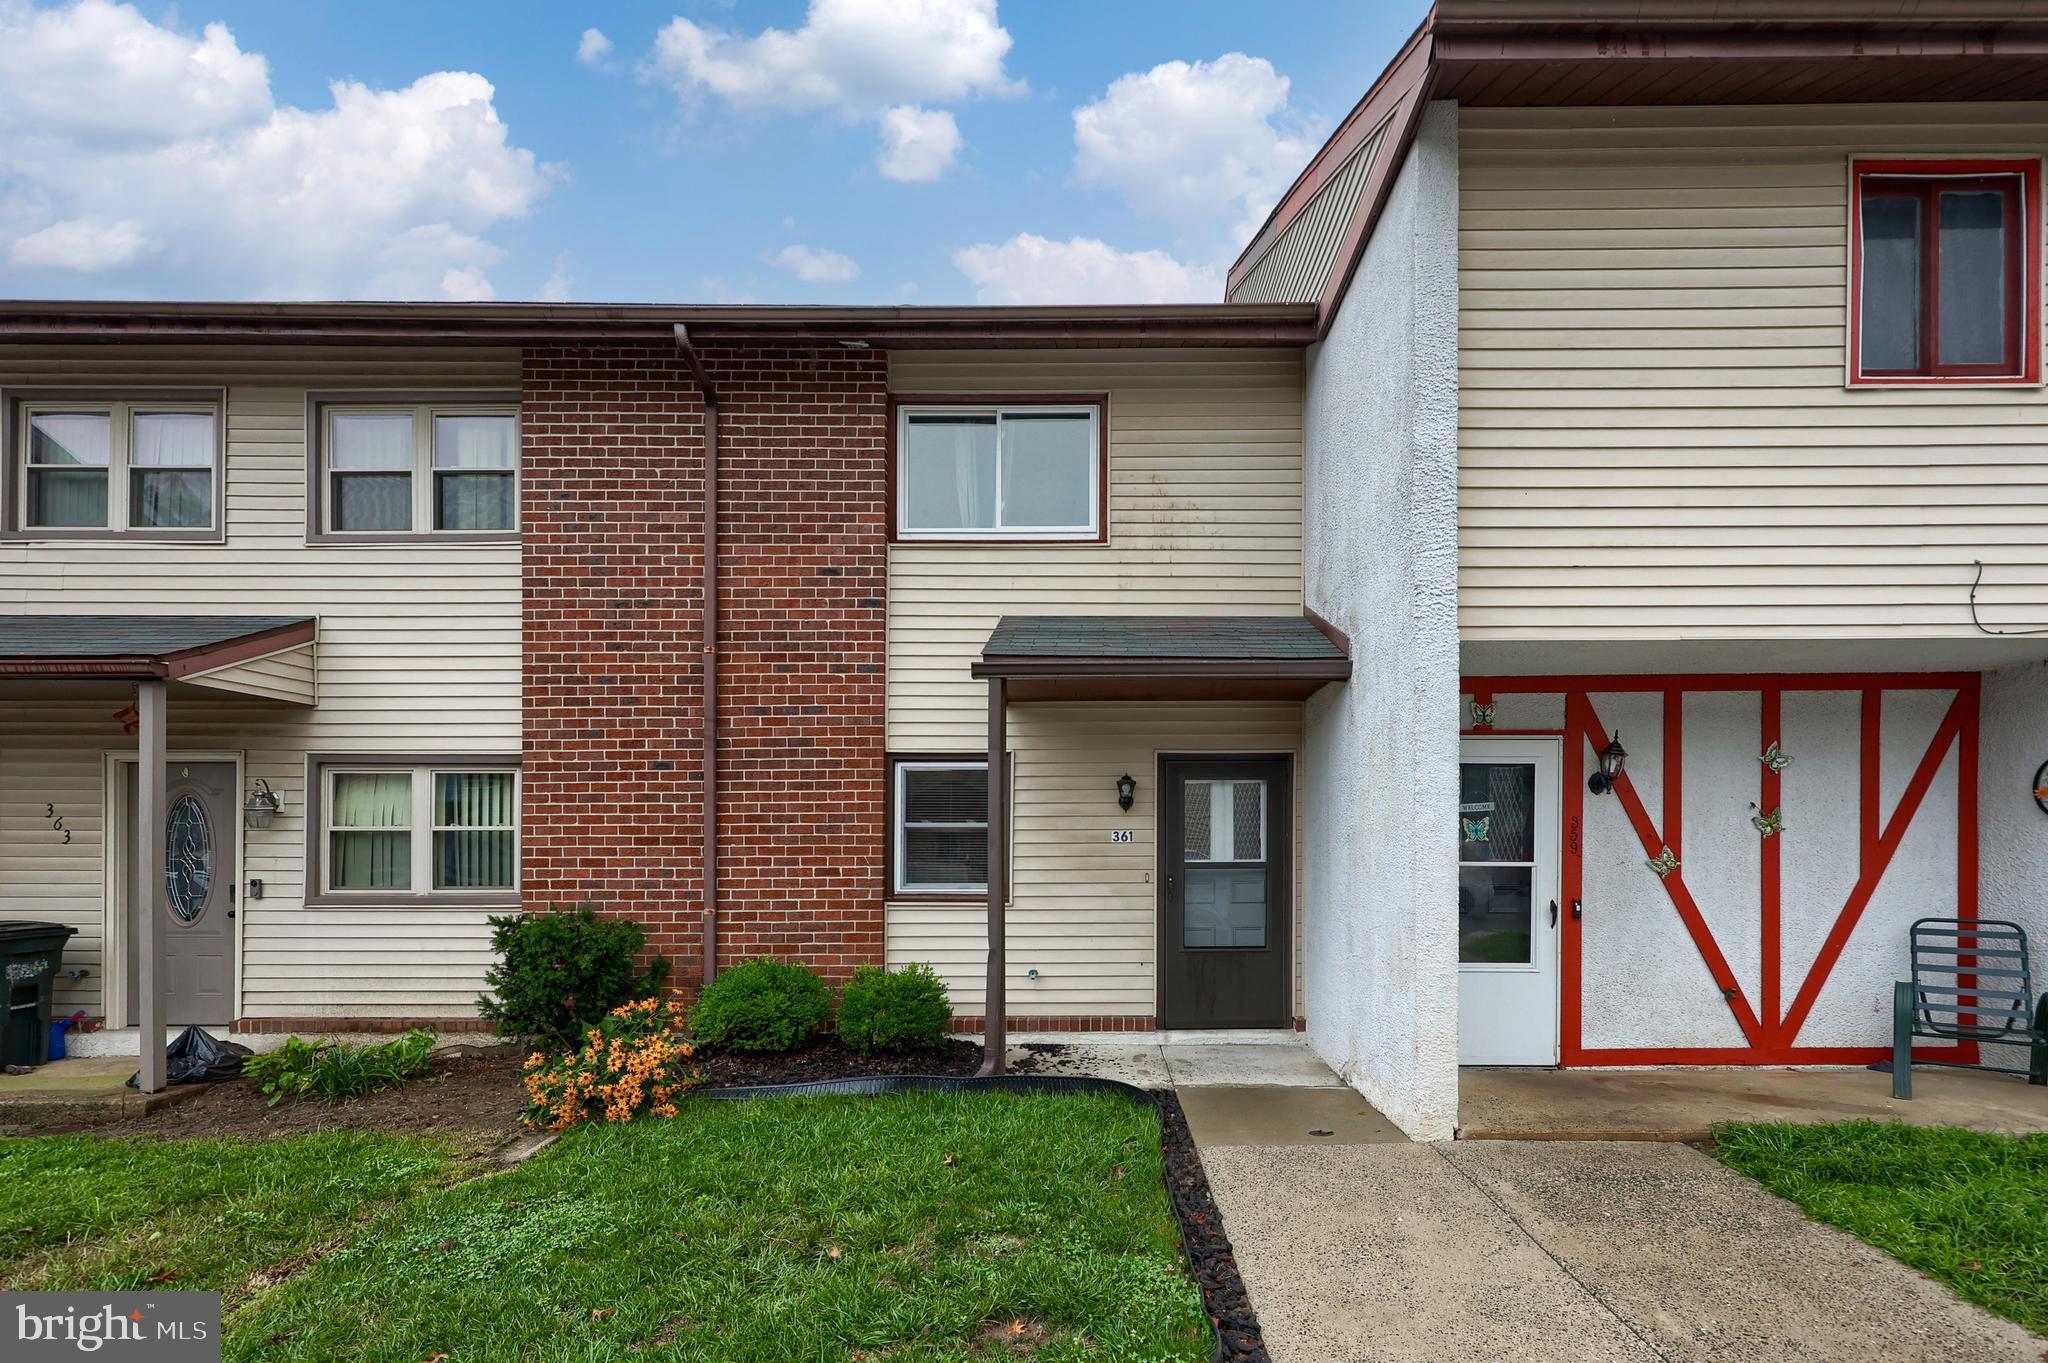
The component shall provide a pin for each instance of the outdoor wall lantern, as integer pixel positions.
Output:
(1613, 758)
(264, 804)
(1126, 791)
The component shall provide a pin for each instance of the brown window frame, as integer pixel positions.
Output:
(898, 534)
(1924, 181)
(453, 402)
(320, 765)
(889, 830)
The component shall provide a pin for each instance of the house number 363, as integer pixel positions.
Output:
(57, 822)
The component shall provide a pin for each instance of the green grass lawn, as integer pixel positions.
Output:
(915, 1226)
(1965, 1207)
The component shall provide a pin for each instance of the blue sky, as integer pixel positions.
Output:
(840, 151)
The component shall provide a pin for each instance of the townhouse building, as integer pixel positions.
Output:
(1576, 603)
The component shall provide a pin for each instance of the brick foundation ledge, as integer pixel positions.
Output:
(1079, 1022)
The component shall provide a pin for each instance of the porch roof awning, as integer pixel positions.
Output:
(1161, 657)
(268, 656)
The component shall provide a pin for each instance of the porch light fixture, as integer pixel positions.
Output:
(1613, 758)
(263, 805)
(1126, 791)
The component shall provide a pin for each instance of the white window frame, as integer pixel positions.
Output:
(900, 826)
(121, 414)
(422, 832)
(1088, 532)
(425, 475)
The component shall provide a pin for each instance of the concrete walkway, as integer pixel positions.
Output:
(1557, 1252)
(1683, 1105)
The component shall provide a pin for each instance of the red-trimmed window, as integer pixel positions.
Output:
(1945, 272)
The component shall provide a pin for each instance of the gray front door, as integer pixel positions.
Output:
(195, 903)
(1226, 923)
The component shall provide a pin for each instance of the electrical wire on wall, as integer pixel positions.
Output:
(1983, 628)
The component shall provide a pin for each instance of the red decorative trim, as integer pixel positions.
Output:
(1772, 1037)
(1873, 870)
(1769, 797)
(2023, 325)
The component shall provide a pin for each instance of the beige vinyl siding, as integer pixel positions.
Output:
(290, 674)
(418, 652)
(1655, 439)
(1204, 510)
(1082, 907)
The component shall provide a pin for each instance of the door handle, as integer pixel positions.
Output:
(1578, 909)
(1553, 913)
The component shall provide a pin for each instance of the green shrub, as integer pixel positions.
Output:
(894, 1010)
(561, 971)
(762, 1005)
(338, 1072)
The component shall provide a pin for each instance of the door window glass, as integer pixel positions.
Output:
(1496, 855)
(188, 858)
(1223, 851)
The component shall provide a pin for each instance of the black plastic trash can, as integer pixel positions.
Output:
(31, 956)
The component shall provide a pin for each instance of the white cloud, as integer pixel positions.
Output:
(814, 266)
(593, 48)
(863, 60)
(466, 284)
(1199, 145)
(1030, 269)
(198, 175)
(560, 284)
(78, 245)
(917, 144)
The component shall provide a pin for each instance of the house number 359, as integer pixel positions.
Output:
(1119, 835)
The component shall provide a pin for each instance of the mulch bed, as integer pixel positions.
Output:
(827, 1059)
(471, 1093)
(1208, 1248)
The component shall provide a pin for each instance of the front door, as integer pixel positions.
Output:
(196, 901)
(1226, 923)
(1507, 902)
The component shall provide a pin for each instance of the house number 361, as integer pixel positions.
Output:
(57, 822)
(1119, 835)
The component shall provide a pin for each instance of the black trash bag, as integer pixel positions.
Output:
(197, 1057)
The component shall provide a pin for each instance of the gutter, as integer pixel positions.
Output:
(709, 935)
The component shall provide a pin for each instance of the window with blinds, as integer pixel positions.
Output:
(941, 833)
(415, 832)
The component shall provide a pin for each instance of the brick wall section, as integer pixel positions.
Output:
(611, 506)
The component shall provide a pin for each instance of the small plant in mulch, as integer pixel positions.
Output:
(336, 1071)
(630, 1063)
(563, 971)
(762, 1005)
(894, 1010)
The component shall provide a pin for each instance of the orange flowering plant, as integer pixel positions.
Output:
(631, 1062)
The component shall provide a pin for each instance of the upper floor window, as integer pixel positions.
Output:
(429, 468)
(100, 466)
(1013, 471)
(1946, 274)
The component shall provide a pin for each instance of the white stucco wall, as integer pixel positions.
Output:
(1644, 983)
(1381, 759)
(2012, 875)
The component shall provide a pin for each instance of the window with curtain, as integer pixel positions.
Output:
(424, 468)
(1944, 288)
(1023, 472)
(116, 467)
(440, 832)
(941, 829)
(369, 820)
(474, 828)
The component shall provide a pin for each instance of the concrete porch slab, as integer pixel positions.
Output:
(1283, 1115)
(1224, 1064)
(1181, 1059)
(1684, 1105)
(74, 1090)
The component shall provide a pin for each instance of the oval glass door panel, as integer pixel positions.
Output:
(188, 858)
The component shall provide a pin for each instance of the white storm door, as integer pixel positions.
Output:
(1507, 901)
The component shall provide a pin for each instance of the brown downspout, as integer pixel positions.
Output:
(995, 1040)
(710, 632)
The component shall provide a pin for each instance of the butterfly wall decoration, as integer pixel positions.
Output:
(1479, 829)
(1775, 757)
(1767, 824)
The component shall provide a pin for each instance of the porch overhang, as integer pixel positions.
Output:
(1161, 657)
(266, 657)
